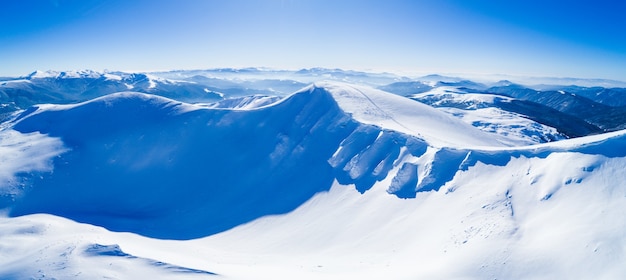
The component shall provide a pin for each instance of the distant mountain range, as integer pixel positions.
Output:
(571, 109)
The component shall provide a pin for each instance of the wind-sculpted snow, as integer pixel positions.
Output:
(368, 154)
(21, 155)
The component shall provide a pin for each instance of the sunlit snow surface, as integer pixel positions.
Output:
(476, 109)
(333, 182)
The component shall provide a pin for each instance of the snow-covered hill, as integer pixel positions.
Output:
(335, 181)
(485, 111)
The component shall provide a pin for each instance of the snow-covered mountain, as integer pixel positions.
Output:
(520, 120)
(334, 181)
(75, 86)
(151, 144)
(573, 111)
(606, 117)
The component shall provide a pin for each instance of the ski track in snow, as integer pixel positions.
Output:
(383, 111)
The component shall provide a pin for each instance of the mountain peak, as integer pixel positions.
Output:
(393, 112)
(72, 74)
(502, 83)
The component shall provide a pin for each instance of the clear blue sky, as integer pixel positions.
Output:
(583, 38)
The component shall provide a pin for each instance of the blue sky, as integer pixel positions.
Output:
(583, 38)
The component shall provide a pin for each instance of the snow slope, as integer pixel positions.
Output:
(333, 182)
(392, 112)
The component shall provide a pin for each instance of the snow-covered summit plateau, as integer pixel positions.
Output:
(334, 181)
